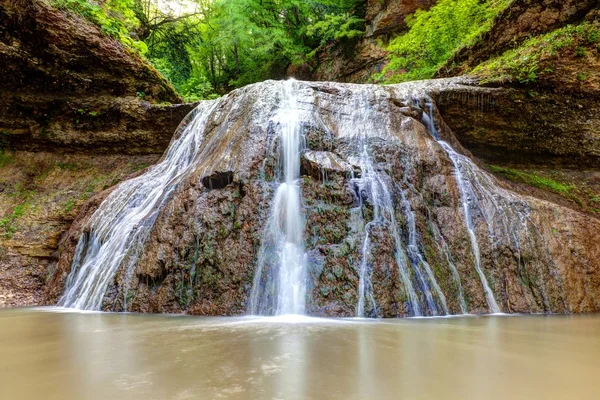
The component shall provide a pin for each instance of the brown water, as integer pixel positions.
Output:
(45, 354)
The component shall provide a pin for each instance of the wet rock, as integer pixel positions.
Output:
(217, 180)
(321, 164)
(400, 224)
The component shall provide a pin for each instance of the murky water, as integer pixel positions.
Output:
(45, 354)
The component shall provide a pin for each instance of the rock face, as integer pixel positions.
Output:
(384, 17)
(396, 218)
(78, 113)
(73, 88)
(518, 22)
(502, 125)
(357, 61)
(540, 114)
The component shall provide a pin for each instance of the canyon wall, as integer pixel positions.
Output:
(78, 113)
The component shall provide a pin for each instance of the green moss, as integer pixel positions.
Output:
(9, 223)
(67, 166)
(6, 158)
(69, 205)
(580, 51)
(533, 180)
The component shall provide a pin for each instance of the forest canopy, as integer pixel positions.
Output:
(208, 47)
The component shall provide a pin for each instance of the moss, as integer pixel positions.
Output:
(66, 166)
(9, 223)
(533, 180)
(69, 205)
(6, 158)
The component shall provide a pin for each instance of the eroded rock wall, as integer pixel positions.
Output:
(358, 60)
(78, 113)
(519, 21)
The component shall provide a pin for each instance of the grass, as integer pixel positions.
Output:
(533, 180)
(69, 205)
(5, 158)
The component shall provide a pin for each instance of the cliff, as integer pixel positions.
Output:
(358, 60)
(78, 113)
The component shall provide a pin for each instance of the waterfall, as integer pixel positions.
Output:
(376, 184)
(467, 198)
(379, 236)
(284, 291)
(116, 232)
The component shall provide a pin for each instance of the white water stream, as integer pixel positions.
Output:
(286, 224)
(118, 229)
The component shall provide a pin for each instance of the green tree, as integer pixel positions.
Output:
(435, 35)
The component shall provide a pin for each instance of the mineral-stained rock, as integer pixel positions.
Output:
(322, 164)
(401, 223)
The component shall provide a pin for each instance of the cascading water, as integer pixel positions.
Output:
(372, 184)
(385, 236)
(378, 187)
(467, 197)
(285, 289)
(418, 260)
(118, 229)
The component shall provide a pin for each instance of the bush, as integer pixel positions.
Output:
(113, 18)
(435, 35)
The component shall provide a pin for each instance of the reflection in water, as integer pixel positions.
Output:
(52, 355)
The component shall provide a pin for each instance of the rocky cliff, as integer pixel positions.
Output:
(540, 126)
(78, 113)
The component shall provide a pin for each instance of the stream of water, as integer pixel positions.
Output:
(52, 354)
(286, 224)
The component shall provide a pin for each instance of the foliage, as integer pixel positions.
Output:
(532, 179)
(114, 17)
(208, 47)
(535, 57)
(435, 35)
(336, 27)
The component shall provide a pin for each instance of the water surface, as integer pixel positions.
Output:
(49, 354)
